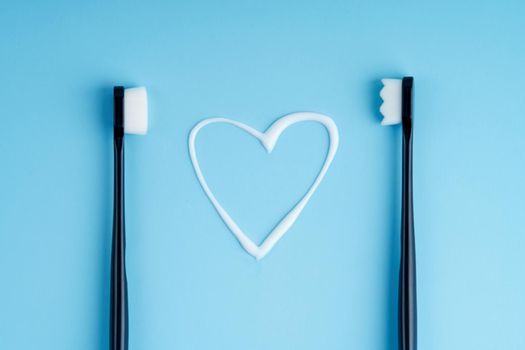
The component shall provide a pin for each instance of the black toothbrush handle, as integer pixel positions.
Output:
(119, 291)
(407, 274)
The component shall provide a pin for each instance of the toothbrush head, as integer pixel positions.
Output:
(397, 100)
(391, 93)
(135, 111)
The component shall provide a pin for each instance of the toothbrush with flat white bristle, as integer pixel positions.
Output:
(130, 111)
(397, 108)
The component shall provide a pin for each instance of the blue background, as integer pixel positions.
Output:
(331, 282)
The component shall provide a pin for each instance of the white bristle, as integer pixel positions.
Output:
(391, 93)
(135, 111)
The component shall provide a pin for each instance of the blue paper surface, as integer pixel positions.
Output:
(331, 282)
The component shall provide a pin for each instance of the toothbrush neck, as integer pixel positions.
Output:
(407, 129)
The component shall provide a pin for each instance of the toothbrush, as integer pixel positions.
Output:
(397, 108)
(131, 117)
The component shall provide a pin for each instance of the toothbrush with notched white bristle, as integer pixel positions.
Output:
(130, 109)
(397, 108)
